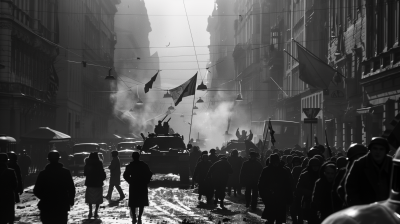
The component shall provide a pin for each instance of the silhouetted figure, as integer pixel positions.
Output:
(138, 175)
(24, 163)
(213, 156)
(194, 156)
(8, 186)
(242, 137)
(249, 176)
(321, 199)
(95, 175)
(368, 180)
(12, 164)
(159, 128)
(295, 209)
(166, 128)
(219, 174)
(115, 176)
(56, 191)
(199, 176)
(234, 180)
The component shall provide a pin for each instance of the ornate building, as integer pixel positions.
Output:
(28, 80)
(87, 33)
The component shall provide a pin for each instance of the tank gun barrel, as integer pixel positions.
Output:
(144, 138)
(169, 119)
(164, 117)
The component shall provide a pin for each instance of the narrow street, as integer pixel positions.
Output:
(167, 205)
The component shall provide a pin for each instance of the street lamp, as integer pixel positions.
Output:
(167, 95)
(110, 76)
(239, 97)
(202, 87)
(171, 108)
(195, 107)
(200, 100)
(139, 102)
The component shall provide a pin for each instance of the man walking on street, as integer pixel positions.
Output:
(56, 191)
(24, 164)
(115, 177)
(249, 176)
(219, 175)
(8, 186)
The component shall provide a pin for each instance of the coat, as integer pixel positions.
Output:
(20, 188)
(8, 185)
(219, 173)
(55, 188)
(213, 158)
(305, 187)
(366, 183)
(200, 174)
(250, 172)
(115, 171)
(138, 175)
(337, 193)
(236, 163)
(275, 188)
(194, 158)
(94, 173)
(321, 198)
(296, 171)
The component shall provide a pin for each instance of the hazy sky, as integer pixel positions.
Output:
(173, 29)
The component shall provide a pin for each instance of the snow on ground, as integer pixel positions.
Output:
(167, 205)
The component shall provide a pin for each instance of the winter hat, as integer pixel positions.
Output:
(114, 153)
(379, 141)
(314, 162)
(341, 162)
(204, 152)
(53, 155)
(212, 150)
(274, 158)
(321, 158)
(356, 149)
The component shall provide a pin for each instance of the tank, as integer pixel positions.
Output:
(167, 154)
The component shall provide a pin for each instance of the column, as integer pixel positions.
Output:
(5, 40)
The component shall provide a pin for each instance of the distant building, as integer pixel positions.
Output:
(28, 81)
(87, 32)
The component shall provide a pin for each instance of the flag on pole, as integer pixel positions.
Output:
(313, 70)
(149, 84)
(186, 89)
(271, 132)
(327, 144)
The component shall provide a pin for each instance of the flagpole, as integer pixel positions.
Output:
(191, 120)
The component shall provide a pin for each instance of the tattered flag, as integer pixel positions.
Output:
(186, 89)
(149, 84)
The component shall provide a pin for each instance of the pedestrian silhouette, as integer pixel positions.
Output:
(138, 175)
(56, 191)
(249, 176)
(199, 176)
(236, 162)
(95, 176)
(12, 164)
(115, 177)
(8, 186)
(219, 175)
(213, 157)
(24, 163)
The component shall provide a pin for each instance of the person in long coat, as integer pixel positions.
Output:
(199, 176)
(321, 198)
(249, 175)
(95, 176)
(275, 188)
(234, 181)
(13, 164)
(115, 177)
(219, 175)
(194, 156)
(368, 180)
(138, 175)
(295, 209)
(305, 187)
(8, 186)
(24, 164)
(56, 191)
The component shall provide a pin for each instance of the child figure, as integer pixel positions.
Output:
(115, 177)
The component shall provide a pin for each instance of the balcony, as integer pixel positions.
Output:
(20, 89)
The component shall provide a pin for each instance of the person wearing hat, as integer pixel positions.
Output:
(199, 176)
(219, 175)
(386, 211)
(234, 180)
(24, 163)
(115, 177)
(95, 177)
(138, 175)
(368, 180)
(295, 209)
(12, 164)
(194, 156)
(354, 152)
(213, 156)
(249, 176)
(56, 191)
(305, 187)
(275, 187)
(8, 186)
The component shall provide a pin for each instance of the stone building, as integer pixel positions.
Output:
(29, 31)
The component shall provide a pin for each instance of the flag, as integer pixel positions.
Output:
(186, 89)
(149, 84)
(271, 132)
(313, 70)
(53, 83)
(327, 144)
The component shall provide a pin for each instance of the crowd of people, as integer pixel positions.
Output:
(55, 187)
(306, 185)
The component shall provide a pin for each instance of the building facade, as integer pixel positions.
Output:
(87, 33)
(28, 81)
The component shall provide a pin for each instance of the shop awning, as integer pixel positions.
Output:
(45, 134)
(371, 110)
